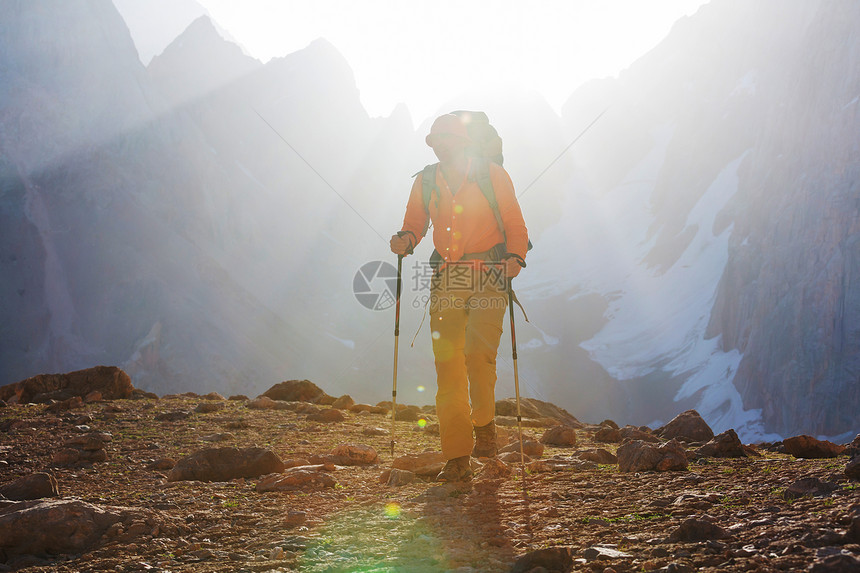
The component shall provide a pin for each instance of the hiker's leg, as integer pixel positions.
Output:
(447, 327)
(486, 313)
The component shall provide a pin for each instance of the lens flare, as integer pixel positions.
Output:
(422, 422)
(392, 510)
(421, 388)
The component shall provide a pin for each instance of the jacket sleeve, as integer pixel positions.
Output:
(516, 233)
(415, 221)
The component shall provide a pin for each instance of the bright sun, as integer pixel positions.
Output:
(424, 53)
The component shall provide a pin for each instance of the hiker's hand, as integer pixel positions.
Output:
(513, 265)
(401, 244)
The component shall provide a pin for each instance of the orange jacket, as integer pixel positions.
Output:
(465, 223)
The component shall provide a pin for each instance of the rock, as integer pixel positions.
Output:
(94, 396)
(264, 403)
(530, 448)
(494, 468)
(608, 435)
(57, 526)
(408, 414)
(533, 408)
(294, 479)
(90, 441)
(238, 398)
(414, 462)
(344, 402)
(33, 486)
(598, 553)
(687, 427)
(697, 529)
(298, 391)
(598, 456)
(513, 457)
(725, 445)
(638, 456)
(213, 396)
(224, 464)
(839, 563)
(558, 465)
(852, 450)
(112, 382)
(354, 455)
(162, 464)
(630, 433)
(209, 407)
(328, 416)
(852, 470)
(811, 448)
(397, 478)
(559, 436)
(73, 403)
(557, 558)
(375, 432)
(808, 486)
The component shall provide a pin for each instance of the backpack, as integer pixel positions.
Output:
(486, 148)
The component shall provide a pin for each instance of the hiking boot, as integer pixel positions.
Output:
(485, 441)
(456, 469)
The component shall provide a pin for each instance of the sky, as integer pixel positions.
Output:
(424, 53)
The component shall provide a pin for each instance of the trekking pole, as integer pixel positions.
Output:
(516, 377)
(396, 340)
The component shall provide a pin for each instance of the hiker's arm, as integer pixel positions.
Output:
(512, 216)
(415, 220)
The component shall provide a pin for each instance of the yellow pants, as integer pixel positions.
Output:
(466, 325)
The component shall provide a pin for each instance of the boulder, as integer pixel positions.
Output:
(638, 456)
(725, 445)
(698, 529)
(533, 408)
(329, 415)
(209, 407)
(298, 391)
(110, 381)
(416, 462)
(557, 558)
(224, 464)
(57, 526)
(397, 478)
(530, 448)
(608, 435)
(811, 448)
(344, 402)
(598, 456)
(687, 427)
(559, 436)
(811, 486)
(852, 470)
(354, 455)
(33, 486)
(493, 469)
(629, 433)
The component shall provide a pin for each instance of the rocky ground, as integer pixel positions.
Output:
(121, 502)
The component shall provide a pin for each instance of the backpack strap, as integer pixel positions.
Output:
(482, 178)
(428, 185)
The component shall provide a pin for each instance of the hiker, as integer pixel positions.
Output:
(477, 252)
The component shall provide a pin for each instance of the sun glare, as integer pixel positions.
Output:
(425, 53)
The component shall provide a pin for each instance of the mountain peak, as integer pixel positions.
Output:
(199, 61)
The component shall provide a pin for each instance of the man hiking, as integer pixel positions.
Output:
(481, 244)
